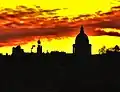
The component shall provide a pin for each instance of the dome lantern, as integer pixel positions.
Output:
(82, 38)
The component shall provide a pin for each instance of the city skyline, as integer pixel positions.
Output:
(61, 47)
(81, 46)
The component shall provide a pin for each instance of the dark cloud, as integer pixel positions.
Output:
(82, 16)
(53, 10)
(9, 35)
(102, 32)
(22, 11)
(116, 7)
(108, 23)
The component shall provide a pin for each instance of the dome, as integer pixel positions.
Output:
(82, 38)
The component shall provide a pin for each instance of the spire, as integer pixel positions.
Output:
(82, 29)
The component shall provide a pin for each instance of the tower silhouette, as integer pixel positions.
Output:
(82, 46)
(39, 48)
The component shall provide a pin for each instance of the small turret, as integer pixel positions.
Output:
(39, 48)
(38, 42)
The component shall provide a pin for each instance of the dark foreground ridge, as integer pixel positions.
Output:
(59, 72)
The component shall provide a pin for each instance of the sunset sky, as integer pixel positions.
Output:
(57, 22)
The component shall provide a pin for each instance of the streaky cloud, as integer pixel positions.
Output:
(28, 23)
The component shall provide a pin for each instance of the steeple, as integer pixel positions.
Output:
(82, 30)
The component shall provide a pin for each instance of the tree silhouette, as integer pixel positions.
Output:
(102, 50)
(105, 50)
(114, 49)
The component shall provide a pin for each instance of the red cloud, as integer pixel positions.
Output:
(28, 23)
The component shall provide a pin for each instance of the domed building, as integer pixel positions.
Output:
(82, 46)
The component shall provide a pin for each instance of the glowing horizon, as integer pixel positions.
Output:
(50, 46)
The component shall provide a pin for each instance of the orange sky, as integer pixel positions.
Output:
(57, 23)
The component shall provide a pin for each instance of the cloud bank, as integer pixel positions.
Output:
(23, 24)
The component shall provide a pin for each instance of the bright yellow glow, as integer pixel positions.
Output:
(66, 44)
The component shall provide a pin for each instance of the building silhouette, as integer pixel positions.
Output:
(17, 50)
(39, 48)
(82, 46)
